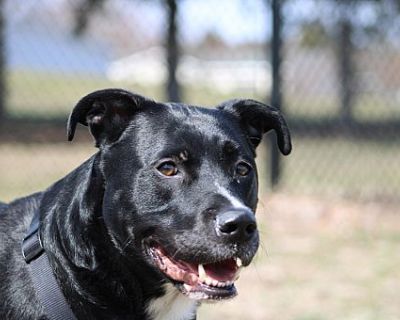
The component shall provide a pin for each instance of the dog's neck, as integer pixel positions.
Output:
(99, 283)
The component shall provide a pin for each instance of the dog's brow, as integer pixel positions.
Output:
(184, 155)
(178, 154)
(230, 147)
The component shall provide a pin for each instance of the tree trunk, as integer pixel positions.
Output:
(346, 72)
(172, 49)
(276, 94)
(2, 62)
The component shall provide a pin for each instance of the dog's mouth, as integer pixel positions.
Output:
(208, 281)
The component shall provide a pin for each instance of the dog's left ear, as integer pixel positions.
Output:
(107, 113)
(257, 118)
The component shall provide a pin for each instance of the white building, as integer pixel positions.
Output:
(149, 68)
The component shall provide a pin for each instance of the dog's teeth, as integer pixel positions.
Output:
(208, 281)
(215, 283)
(202, 273)
(187, 287)
(239, 262)
(237, 274)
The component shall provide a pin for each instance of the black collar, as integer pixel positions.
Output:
(46, 286)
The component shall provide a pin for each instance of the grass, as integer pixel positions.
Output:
(335, 167)
(326, 268)
(47, 94)
(25, 169)
(350, 168)
(52, 95)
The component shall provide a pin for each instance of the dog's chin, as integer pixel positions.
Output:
(204, 282)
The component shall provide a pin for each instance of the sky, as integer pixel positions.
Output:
(235, 21)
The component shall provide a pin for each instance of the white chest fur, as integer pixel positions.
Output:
(173, 305)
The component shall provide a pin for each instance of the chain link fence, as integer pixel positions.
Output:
(330, 234)
(340, 72)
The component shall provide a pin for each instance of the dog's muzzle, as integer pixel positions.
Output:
(211, 277)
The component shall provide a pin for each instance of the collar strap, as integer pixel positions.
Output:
(32, 244)
(46, 286)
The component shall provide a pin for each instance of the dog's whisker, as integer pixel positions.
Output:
(127, 242)
(264, 249)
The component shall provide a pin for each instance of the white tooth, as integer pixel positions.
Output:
(239, 262)
(208, 281)
(215, 283)
(187, 287)
(237, 274)
(202, 273)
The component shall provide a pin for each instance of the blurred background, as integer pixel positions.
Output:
(329, 213)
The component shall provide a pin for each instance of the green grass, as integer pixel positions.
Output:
(46, 94)
(52, 95)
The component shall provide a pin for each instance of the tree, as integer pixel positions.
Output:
(346, 67)
(340, 21)
(173, 54)
(2, 62)
(88, 7)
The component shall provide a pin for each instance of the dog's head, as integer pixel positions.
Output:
(181, 183)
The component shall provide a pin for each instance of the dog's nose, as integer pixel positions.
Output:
(236, 225)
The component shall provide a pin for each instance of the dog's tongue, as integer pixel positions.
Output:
(221, 271)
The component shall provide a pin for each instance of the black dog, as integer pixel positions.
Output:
(157, 221)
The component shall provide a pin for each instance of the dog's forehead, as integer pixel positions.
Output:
(179, 119)
(200, 118)
(180, 125)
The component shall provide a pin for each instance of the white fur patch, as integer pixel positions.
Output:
(233, 200)
(173, 305)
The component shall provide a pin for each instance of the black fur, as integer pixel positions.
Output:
(95, 221)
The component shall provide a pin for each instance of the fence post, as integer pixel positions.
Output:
(172, 48)
(276, 96)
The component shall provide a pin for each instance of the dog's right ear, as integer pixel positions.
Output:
(107, 113)
(258, 118)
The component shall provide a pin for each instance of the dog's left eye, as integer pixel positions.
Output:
(168, 168)
(243, 169)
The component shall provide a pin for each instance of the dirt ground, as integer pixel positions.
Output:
(320, 259)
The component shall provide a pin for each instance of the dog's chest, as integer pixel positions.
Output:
(173, 305)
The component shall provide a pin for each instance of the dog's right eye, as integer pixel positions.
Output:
(168, 168)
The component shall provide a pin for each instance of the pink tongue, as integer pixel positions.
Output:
(221, 271)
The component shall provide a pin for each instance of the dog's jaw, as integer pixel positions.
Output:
(173, 305)
(210, 281)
